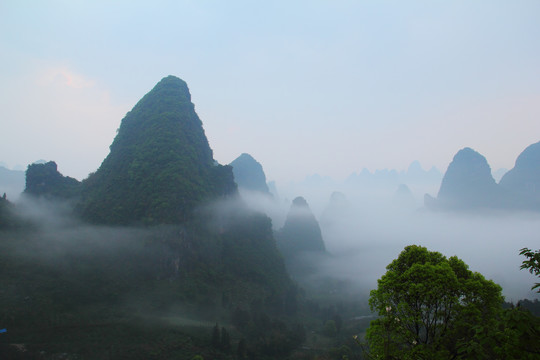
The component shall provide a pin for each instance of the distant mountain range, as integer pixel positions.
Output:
(468, 183)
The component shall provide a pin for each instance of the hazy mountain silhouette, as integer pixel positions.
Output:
(301, 231)
(467, 184)
(338, 208)
(249, 174)
(389, 179)
(403, 198)
(300, 241)
(523, 181)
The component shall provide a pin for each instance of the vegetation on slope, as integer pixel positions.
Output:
(160, 166)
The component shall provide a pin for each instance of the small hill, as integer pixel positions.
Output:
(160, 166)
(249, 174)
(301, 231)
(44, 180)
(523, 181)
(467, 184)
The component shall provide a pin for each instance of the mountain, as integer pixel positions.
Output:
(467, 184)
(301, 231)
(386, 181)
(301, 243)
(249, 174)
(522, 182)
(160, 166)
(44, 180)
(338, 209)
(403, 198)
(11, 182)
(179, 244)
(415, 174)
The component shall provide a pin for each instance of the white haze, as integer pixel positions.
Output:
(362, 239)
(372, 230)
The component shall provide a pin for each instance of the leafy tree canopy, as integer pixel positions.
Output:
(428, 305)
(532, 264)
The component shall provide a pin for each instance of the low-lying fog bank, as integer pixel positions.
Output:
(369, 231)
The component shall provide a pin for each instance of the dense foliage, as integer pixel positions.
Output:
(431, 307)
(45, 180)
(160, 166)
(98, 291)
(532, 264)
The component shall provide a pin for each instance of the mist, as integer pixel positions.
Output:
(369, 229)
(101, 269)
(362, 235)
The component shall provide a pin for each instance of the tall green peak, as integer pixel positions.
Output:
(160, 166)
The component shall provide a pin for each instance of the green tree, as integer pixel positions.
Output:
(428, 305)
(532, 263)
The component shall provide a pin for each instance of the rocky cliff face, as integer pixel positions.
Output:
(160, 166)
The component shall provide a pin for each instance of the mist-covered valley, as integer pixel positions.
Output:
(364, 234)
(163, 252)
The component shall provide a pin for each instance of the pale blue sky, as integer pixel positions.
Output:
(305, 87)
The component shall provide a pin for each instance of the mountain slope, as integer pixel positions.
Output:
(467, 184)
(160, 166)
(523, 181)
(249, 174)
(44, 179)
(301, 231)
